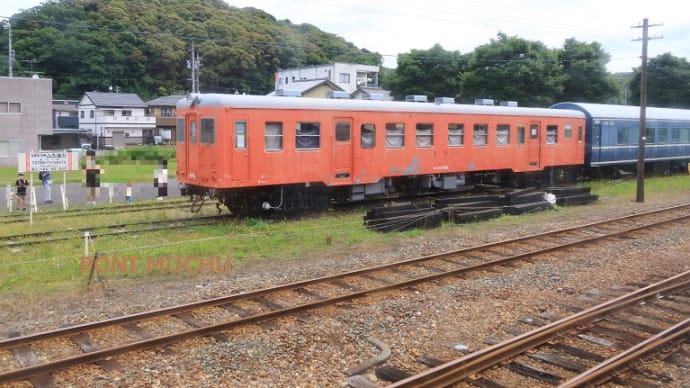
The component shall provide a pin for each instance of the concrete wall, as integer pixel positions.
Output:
(29, 115)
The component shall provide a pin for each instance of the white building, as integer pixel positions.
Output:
(115, 119)
(347, 76)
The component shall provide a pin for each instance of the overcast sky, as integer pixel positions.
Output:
(390, 27)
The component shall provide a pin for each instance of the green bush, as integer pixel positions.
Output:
(140, 153)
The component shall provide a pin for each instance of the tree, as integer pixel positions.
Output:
(141, 46)
(668, 82)
(586, 78)
(514, 69)
(434, 73)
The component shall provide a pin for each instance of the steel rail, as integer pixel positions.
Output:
(77, 234)
(457, 370)
(14, 217)
(601, 372)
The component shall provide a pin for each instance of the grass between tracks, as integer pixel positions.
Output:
(59, 265)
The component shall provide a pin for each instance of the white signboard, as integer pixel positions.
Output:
(47, 161)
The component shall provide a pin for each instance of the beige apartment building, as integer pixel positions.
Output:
(25, 115)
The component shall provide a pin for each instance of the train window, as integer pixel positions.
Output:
(551, 134)
(503, 134)
(650, 136)
(179, 129)
(456, 134)
(480, 135)
(425, 135)
(567, 131)
(685, 135)
(274, 136)
(395, 135)
(368, 135)
(675, 135)
(192, 132)
(534, 131)
(580, 131)
(624, 135)
(307, 135)
(521, 131)
(662, 135)
(240, 134)
(342, 131)
(208, 131)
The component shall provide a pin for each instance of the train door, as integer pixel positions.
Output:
(342, 149)
(191, 167)
(596, 143)
(533, 146)
(180, 137)
(240, 150)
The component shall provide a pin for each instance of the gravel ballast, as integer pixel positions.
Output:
(441, 320)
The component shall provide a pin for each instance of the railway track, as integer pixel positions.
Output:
(591, 347)
(77, 345)
(48, 237)
(21, 216)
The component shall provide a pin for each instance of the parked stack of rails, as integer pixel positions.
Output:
(571, 195)
(463, 209)
(403, 217)
(467, 209)
(525, 201)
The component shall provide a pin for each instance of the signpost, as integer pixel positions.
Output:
(46, 161)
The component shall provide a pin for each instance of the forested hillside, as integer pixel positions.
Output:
(142, 46)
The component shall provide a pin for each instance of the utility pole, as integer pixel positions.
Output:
(194, 65)
(643, 108)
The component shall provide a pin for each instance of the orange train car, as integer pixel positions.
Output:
(291, 153)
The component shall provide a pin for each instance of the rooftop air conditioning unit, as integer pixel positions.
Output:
(483, 101)
(339, 94)
(415, 98)
(444, 100)
(509, 103)
(288, 93)
(375, 96)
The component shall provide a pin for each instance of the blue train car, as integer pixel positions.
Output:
(612, 137)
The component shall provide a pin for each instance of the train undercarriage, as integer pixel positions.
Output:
(299, 198)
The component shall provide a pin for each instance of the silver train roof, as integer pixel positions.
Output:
(252, 101)
(628, 112)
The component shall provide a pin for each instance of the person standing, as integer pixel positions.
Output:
(160, 179)
(47, 182)
(93, 179)
(21, 183)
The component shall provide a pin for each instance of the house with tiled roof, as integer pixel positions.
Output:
(319, 88)
(115, 119)
(163, 109)
(329, 80)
